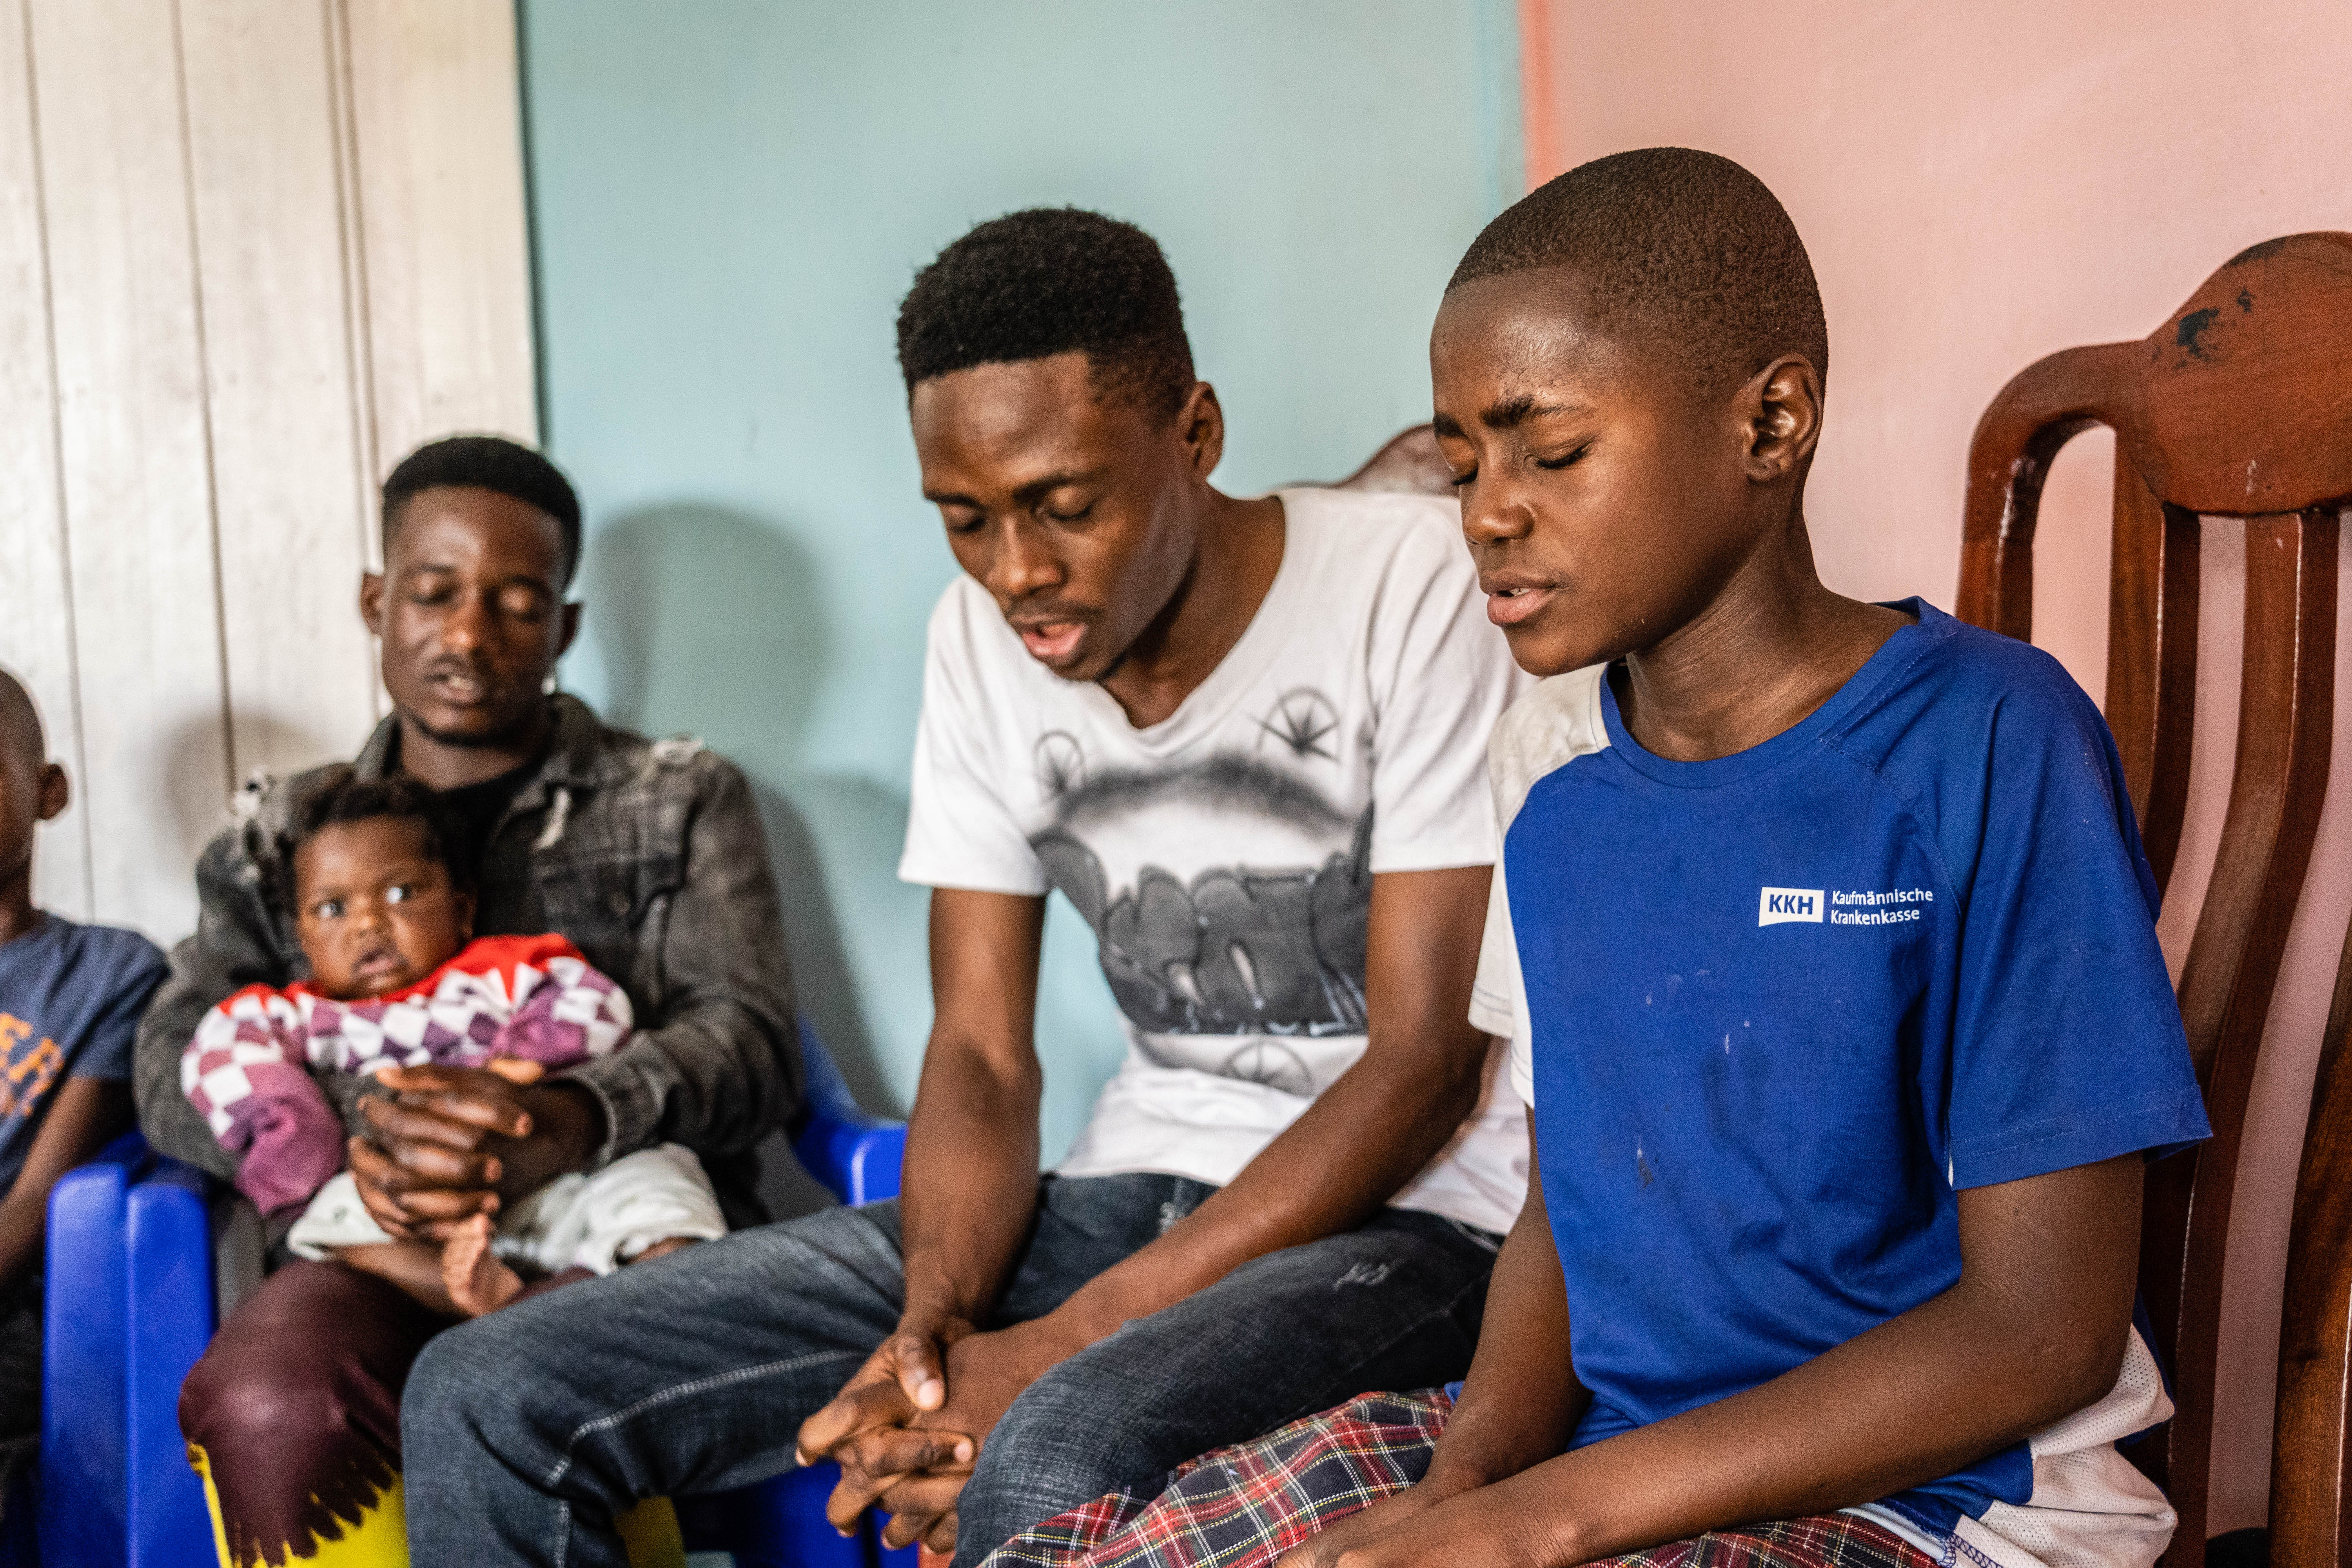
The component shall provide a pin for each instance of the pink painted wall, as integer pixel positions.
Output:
(1980, 186)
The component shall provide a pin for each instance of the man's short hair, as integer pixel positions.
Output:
(1046, 281)
(1687, 248)
(487, 463)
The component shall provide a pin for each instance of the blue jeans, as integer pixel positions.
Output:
(525, 1433)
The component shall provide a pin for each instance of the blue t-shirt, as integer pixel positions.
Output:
(70, 997)
(1783, 1005)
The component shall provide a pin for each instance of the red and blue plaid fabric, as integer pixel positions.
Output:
(1245, 1506)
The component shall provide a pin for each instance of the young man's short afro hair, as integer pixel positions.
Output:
(1046, 281)
(1687, 251)
(488, 463)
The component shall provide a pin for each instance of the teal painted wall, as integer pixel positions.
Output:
(729, 197)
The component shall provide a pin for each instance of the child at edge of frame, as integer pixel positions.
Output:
(70, 999)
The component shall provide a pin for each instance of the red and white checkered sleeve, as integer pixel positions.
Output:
(245, 1072)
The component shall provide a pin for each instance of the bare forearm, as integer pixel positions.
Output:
(971, 1179)
(1522, 1400)
(1911, 1401)
(87, 1115)
(21, 1228)
(970, 1186)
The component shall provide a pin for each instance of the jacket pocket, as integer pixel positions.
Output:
(608, 905)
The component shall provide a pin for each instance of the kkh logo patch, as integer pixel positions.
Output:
(1776, 906)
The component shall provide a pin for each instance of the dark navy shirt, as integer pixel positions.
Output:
(70, 997)
(1782, 1007)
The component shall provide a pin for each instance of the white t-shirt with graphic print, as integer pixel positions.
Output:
(1224, 855)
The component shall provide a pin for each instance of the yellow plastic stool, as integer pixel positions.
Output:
(380, 1539)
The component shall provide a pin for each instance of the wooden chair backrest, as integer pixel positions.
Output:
(2240, 406)
(1408, 462)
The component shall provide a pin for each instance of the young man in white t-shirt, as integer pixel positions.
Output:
(1245, 737)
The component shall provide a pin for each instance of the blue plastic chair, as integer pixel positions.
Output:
(130, 1306)
(82, 1506)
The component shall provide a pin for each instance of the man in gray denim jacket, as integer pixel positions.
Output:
(647, 854)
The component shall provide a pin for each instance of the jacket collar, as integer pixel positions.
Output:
(577, 756)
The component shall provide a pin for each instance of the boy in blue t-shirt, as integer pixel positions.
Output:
(70, 997)
(1827, 952)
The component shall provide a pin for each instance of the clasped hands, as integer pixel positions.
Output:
(450, 1142)
(908, 1428)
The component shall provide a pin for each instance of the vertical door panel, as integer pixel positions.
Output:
(37, 631)
(133, 447)
(250, 250)
(287, 468)
(438, 143)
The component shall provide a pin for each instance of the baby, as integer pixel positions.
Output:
(397, 980)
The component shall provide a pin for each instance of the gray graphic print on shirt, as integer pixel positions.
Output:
(1239, 949)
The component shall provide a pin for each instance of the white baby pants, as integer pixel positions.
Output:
(597, 1221)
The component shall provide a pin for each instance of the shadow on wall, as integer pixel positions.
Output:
(708, 623)
(706, 614)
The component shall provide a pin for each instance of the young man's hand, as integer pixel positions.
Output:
(901, 1380)
(912, 1456)
(866, 1427)
(451, 1143)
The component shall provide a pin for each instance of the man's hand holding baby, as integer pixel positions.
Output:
(450, 1142)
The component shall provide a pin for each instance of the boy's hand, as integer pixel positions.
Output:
(456, 1141)
(1357, 1533)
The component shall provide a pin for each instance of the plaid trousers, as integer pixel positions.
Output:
(1245, 1506)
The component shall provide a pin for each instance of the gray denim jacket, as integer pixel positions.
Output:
(649, 854)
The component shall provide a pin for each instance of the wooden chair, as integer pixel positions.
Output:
(1408, 462)
(2238, 407)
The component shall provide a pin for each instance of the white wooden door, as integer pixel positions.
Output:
(251, 252)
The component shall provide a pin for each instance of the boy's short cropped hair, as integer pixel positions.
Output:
(1686, 247)
(1046, 281)
(20, 724)
(346, 797)
(488, 463)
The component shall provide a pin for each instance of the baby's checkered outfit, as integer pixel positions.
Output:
(248, 1069)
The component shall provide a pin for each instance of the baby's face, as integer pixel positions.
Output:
(375, 907)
